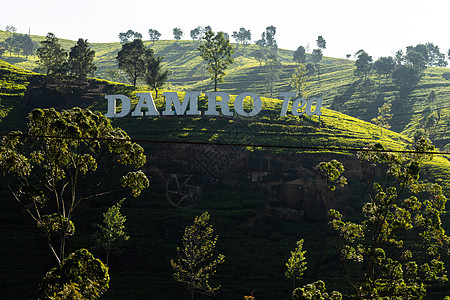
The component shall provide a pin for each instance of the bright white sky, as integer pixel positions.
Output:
(379, 27)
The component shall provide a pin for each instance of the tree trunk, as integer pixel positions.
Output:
(215, 83)
(62, 245)
(54, 253)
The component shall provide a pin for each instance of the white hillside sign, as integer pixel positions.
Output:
(189, 105)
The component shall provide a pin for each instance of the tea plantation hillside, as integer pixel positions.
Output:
(22, 91)
(336, 83)
(256, 176)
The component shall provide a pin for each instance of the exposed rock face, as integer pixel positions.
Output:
(293, 189)
(62, 94)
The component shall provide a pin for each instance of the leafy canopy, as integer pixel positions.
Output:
(51, 56)
(299, 55)
(195, 264)
(132, 59)
(216, 50)
(80, 276)
(363, 63)
(316, 57)
(243, 36)
(154, 35)
(299, 82)
(154, 75)
(315, 291)
(321, 43)
(18, 44)
(63, 161)
(177, 33)
(81, 60)
(396, 250)
(112, 232)
(296, 264)
(128, 36)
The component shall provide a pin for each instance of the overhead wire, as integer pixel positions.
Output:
(215, 143)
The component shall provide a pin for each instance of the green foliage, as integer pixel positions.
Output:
(136, 181)
(188, 73)
(13, 84)
(321, 43)
(334, 129)
(112, 232)
(3, 48)
(154, 35)
(384, 116)
(300, 55)
(80, 61)
(425, 55)
(315, 291)
(18, 44)
(129, 36)
(415, 60)
(55, 225)
(132, 59)
(243, 36)
(11, 28)
(155, 76)
(316, 57)
(177, 33)
(384, 65)
(216, 51)
(268, 40)
(296, 264)
(299, 81)
(53, 167)
(435, 57)
(273, 70)
(79, 276)
(331, 173)
(399, 244)
(363, 63)
(446, 75)
(405, 78)
(195, 264)
(51, 56)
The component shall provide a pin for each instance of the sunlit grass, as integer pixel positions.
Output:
(337, 85)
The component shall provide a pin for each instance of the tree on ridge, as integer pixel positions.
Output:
(154, 75)
(216, 51)
(81, 60)
(51, 55)
(132, 58)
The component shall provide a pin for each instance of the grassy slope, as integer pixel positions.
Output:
(333, 129)
(256, 255)
(13, 84)
(337, 86)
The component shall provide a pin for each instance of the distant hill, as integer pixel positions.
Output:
(28, 90)
(23, 90)
(262, 199)
(339, 88)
